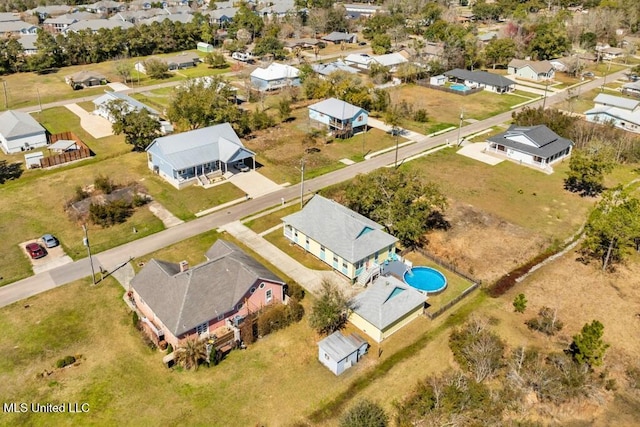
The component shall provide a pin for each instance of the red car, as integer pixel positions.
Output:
(35, 250)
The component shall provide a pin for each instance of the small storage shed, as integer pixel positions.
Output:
(205, 47)
(437, 80)
(338, 352)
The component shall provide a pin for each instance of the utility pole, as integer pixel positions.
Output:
(544, 100)
(396, 130)
(6, 98)
(39, 102)
(85, 242)
(302, 182)
(460, 127)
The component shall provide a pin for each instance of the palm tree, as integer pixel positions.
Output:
(192, 352)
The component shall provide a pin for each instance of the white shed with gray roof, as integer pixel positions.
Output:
(20, 132)
(338, 352)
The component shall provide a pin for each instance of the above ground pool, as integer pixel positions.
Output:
(460, 87)
(425, 279)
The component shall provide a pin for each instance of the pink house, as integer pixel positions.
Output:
(177, 302)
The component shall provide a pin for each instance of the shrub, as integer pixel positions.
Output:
(421, 115)
(248, 331)
(139, 200)
(169, 349)
(520, 303)
(295, 291)
(272, 318)
(80, 194)
(110, 213)
(547, 321)
(365, 413)
(261, 120)
(104, 184)
(162, 345)
(66, 361)
(295, 311)
(135, 320)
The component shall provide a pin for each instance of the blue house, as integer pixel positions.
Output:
(275, 76)
(341, 118)
(200, 156)
(339, 353)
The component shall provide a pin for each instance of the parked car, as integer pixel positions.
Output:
(50, 241)
(242, 167)
(588, 74)
(36, 251)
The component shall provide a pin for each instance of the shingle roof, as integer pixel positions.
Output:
(338, 346)
(348, 234)
(386, 301)
(482, 77)
(188, 149)
(331, 67)
(85, 75)
(184, 300)
(336, 108)
(96, 24)
(545, 142)
(337, 36)
(615, 113)
(616, 101)
(390, 59)
(537, 66)
(14, 124)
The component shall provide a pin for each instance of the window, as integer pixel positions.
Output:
(269, 295)
(221, 317)
(261, 285)
(203, 328)
(335, 259)
(239, 306)
(306, 240)
(322, 249)
(326, 356)
(253, 290)
(344, 265)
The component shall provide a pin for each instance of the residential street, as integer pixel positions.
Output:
(115, 256)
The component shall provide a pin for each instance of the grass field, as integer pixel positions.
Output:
(444, 107)
(296, 252)
(265, 222)
(523, 196)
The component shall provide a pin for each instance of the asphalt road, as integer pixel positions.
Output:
(116, 256)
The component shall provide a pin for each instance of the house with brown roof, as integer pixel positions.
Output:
(531, 70)
(177, 302)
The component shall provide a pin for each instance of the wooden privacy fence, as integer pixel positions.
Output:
(82, 152)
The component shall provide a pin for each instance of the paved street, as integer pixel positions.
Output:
(116, 256)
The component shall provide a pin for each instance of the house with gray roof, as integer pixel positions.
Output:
(385, 307)
(618, 111)
(532, 145)
(28, 42)
(84, 79)
(339, 352)
(275, 76)
(20, 132)
(103, 104)
(324, 70)
(338, 37)
(17, 28)
(531, 70)
(94, 25)
(199, 156)
(339, 117)
(632, 89)
(482, 79)
(350, 243)
(181, 302)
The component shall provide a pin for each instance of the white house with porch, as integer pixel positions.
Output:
(531, 145)
(198, 157)
(341, 118)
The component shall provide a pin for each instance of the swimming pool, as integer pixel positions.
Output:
(460, 87)
(425, 279)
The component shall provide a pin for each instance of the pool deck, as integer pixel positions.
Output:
(394, 268)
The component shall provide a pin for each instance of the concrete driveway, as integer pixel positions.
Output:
(477, 152)
(96, 126)
(253, 183)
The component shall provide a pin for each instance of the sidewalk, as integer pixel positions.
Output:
(310, 280)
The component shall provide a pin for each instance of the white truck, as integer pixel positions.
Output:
(242, 56)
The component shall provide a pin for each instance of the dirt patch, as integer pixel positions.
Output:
(482, 244)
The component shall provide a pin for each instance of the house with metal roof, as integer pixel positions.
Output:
(632, 89)
(324, 70)
(618, 111)
(179, 302)
(358, 60)
(341, 118)
(390, 60)
(350, 243)
(339, 352)
(103, 103)
(385, 307)
(275, 76)
(20, 132)
(532, 145)
(482, 79)
(199, 156)
(531, 70)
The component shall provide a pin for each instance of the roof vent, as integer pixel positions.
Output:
(184, 266)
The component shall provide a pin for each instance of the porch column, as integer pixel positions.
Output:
(254, 162)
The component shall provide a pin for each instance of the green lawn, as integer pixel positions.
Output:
(524, 196)
(265, 222)
(455, 284)
(296, 252)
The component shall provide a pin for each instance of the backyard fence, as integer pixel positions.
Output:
(425, 83)
(82, 152)
(442, 263)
